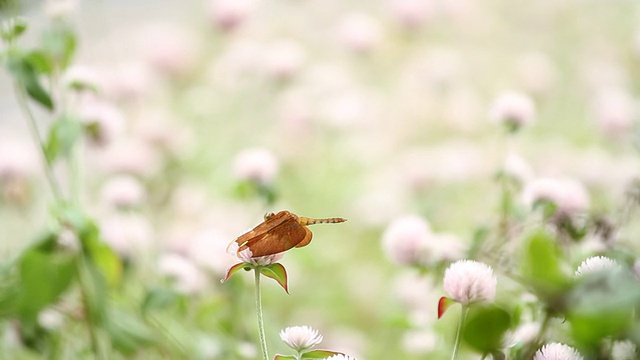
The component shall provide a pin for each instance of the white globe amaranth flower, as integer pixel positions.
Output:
(405, 240)
(300, 338)
(360, 32)
(246, 256)
(188, 278)
(256, 164)
(469, 281)
(557, 351)
(513, 108)
(340, 357)
(123, 191)
(596, 264)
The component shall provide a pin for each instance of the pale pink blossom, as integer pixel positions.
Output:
(18, 159)
(208, 250)
(168, 48)
(405, 241)
(568, 195)
(127, 234)
(228, 15)
(187, 277)
(104, 121)
(360, 32)
(246, 256)
(257, 164)
(300, 338)
(615, 111)
(523, 334)
(128, 81)
(557, 351)
(123, 191)
(469, 281)
(132, 156)
(513, 108)
(412, 13)
(596, 264)
(283, 59)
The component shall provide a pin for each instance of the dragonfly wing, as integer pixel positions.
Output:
(307, 237)
(280, 238)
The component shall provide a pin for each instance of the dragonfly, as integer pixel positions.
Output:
(279, 232)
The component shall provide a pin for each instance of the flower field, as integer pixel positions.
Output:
(255, 179)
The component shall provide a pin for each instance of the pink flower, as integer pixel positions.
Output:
(513, 108)
(257, 164)
(412, 13)
(557, 351)
(104, 122)
(468, 281)
(300, 338)
(568, 195)
(123, 191)
(405, 240)
(283, 59)
(187, 277)
(615, 111)
(228, 15)
(169, 49)
(360, 32)
(246, 256)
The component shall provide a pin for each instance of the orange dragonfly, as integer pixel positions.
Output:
(279, 232)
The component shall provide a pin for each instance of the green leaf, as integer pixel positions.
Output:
(485, 328)
(128, 332)
(41, 61)
(541, 266)
(100, 254)
(284, 357)
(232, 270)
(11, 29)
(603, 305)
(27, 76)
(44, 276)
(63, 136)
(60, 42)
(278, 273)
(320, 354)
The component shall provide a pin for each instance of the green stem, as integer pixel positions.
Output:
(263, 340)
(84, 291)
(456, 345)
(35, 133)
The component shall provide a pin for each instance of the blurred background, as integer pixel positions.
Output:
(207, 114)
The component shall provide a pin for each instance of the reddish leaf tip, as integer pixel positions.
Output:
(443, 305)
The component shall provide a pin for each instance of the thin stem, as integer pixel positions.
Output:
(263, 340)
(456, 345)
(84, 291)
(33, 128)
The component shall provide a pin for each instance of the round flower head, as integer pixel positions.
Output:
(405, 240)
(623, 350)
(247, 256)
(557, 351)
(300, 338)
(258, 165)
(514, 109)
(468, 281)
(596, 264)
(340, 357)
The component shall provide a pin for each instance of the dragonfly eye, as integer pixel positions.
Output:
(268, 216)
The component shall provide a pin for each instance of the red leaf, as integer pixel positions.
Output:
(443, 305)
(232, 270)
(278, 273)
